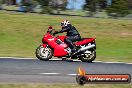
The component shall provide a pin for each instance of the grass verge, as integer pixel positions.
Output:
(21, 33)
(65, 86)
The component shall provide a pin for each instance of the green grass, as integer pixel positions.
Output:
(20, 34)
(65, 86)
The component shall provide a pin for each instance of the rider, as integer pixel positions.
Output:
(72, 34)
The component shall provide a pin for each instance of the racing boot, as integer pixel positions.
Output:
(74, 50)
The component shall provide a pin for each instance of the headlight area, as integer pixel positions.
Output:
(43, 41)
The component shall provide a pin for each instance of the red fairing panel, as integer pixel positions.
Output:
(85, 41)
(59, 50)
(61, 38)
(44, 45)
(50, 40)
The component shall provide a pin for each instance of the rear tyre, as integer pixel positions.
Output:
(88, 57)
(44, 53)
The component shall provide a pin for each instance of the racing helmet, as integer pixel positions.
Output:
(65, 23)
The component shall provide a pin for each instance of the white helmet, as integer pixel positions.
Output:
(65, 23)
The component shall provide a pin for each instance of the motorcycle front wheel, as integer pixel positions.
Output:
(44, 53)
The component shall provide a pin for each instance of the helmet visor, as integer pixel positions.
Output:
(62, 24)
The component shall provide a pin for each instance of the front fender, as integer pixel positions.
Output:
(44, 45)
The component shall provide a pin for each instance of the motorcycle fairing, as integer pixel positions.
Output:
(61, 38)
(59, 49)
(84, 41)
(44, 45)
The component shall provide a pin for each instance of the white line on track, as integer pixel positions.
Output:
(71, 74)
(15, 58)
(60, 59)
(57, 74)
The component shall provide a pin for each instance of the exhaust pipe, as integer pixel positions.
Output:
(84, 49)
(87, 47)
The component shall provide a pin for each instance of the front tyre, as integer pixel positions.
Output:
(88, 57)
(44, 53)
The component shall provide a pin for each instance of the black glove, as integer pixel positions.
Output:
(56, 32)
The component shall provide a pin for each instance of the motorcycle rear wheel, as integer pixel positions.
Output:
(44, 53)
(90, 58)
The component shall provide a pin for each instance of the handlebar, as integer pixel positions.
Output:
(53, 32)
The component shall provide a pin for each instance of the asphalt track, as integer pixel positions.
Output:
(36, 71)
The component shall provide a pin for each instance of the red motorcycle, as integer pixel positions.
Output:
(55, 46)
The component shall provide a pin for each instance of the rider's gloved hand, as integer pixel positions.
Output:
(56, 32)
